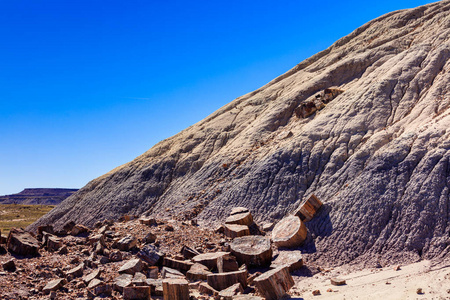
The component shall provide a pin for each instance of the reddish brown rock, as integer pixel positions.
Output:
(167, 272)
(175, 289)
(210, 260)
(221, 281)
(274, 284)
(289, 232)
(337, 281)
(181, 265)
(240, 216)
(132, 266)
(308, 208)
(22, 243)
(78, 229)
(127, 243)
(292, 259)
(252, 250)
(228, 293)
(205, 288)
(235, 230)
(198, 272)
(53, 285)
(137, 293)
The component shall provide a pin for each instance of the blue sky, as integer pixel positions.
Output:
(86, 86)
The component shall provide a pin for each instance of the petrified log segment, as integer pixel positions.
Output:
(167, 272)
(175, 289)
(289, 232)
(308, 208)
(198, 272)
(228, 293)
(234, 230)
(188, 252)
(22, 243)
(221, 281)
(180, 265)
(240, 216)
(252, 250)
(137, 293)
(274, 284)
(292, 259)
(210, 260)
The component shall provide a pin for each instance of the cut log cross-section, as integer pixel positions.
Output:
(274, 284)
(309, 208)
(252, 250)
(290, 232)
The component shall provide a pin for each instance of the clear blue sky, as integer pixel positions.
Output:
(86, 86)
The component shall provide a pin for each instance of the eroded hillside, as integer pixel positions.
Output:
(377, 154)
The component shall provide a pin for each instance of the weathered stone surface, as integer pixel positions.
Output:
(180, 265)
(188, 252)
(229, 292)
(274, 284)
(210, 260)
(150, 254)
(53, 243)
(78, 229)
(289, 232)
(53, 285)
(175, 289)
(252, 250)
(121, 281)
(205, 288)
(149, 238)
(127, 243)
(221, 281)
(167, 272)
(156, 286)
(148, 221)
(337, 281)
(235, 230)
(77, 271)
(376, 151)
(247, 297)
(240, 216)
(9, 266)
(132, 266)
(137, 293)
(198, 272)
(292, 259)
(22, 242)
(309, 208)
(94, 274)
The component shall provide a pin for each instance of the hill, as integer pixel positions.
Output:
(38, 196)
(364, 125)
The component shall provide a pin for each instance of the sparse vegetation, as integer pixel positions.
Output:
(17, 215)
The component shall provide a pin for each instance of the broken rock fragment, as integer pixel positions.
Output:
(175, 289)
(150, 255)
(221, 281)
(22, 243)
(137, 293)
(127, 243)
(132, 266)
(309, 208)
(274, 284)
(53, 285)
(292, 259)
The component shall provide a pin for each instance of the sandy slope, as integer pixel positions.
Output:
(380, 283)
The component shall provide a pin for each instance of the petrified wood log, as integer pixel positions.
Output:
(180, 265)
(198, 272)
(289, 232)
(235, 230)
(292, 259)
(252, 250)
(210, 260)
(240, 216)
(221, 281)
(274, 284)
(308, 208)
(175, 289)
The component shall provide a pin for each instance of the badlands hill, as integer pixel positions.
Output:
(375, 148)
(38, 196)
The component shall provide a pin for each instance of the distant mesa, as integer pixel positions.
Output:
(38, 196)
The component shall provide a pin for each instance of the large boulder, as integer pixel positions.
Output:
(22, 243)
